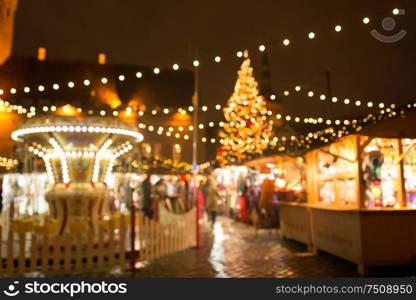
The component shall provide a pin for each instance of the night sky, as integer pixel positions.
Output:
(160, 33)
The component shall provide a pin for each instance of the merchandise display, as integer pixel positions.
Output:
(336, 170)
(381, 172)
(409, 165)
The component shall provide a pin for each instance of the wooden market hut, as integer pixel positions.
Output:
(361, 196)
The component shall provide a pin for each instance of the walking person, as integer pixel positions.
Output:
(212, 199)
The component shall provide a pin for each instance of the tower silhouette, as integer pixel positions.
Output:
(7, 12)
(265, 79)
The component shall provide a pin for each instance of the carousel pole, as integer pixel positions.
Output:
(195, 100)
(133, 229)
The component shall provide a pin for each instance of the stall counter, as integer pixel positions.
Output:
(295, 222)
(366, 237)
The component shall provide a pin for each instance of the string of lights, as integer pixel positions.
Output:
(311, 94)
(8, 163)
(155, 110)
(330, 134)
(149, 163)
(170, 131)
(302, 142)
(285, 42)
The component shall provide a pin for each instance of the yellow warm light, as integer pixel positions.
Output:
(101, 58)
(108, 96)
(67, 111)
(3, 108)
(181, 117)
(41, 53)
(9, 122)
(128, 116)
(115, 103)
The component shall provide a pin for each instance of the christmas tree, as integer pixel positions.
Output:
(246, 131)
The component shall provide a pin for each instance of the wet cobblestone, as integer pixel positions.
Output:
(233, 249)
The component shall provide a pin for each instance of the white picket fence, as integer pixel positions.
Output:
(109, 247)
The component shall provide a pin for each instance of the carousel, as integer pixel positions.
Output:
(78, 154)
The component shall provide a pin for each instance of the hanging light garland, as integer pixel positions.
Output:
(285, 42)
(153, 163)
(330, 134)
(157, 110)
(311, 94)
(8, 163)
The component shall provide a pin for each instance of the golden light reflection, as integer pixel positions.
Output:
(137, 102)
(67, 111)
(108, 96)
(128, 116)
(9, 122)
(3, 108)
(180, 119)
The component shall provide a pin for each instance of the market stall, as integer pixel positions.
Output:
(361, 196)
(253, 190)
(231, 180)
(289, 177)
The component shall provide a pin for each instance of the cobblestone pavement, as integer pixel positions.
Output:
(232, 249)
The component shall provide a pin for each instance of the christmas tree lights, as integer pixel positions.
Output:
(247, 130)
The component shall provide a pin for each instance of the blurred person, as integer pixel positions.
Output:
(266, 196)
(212, 199)
(182, 191)
(147, 197)
(160, 195)
(170, 200)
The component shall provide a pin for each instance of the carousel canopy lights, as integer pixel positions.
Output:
(49, 169)
(18, 134)
(64, 162)
(100, 153)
